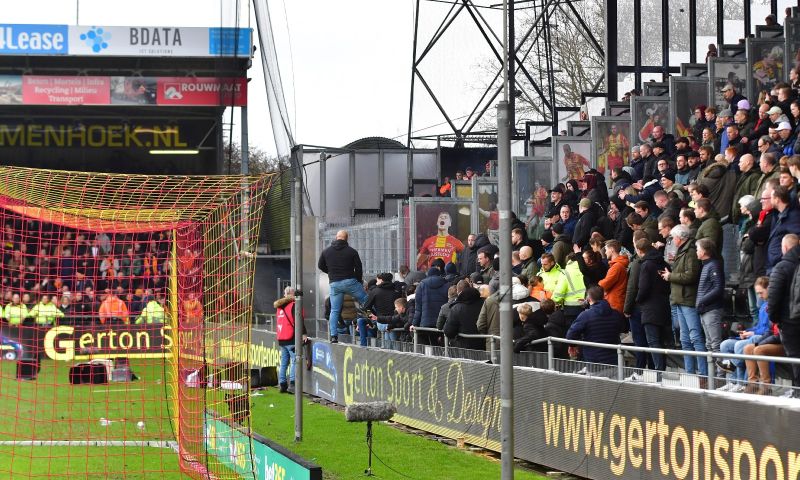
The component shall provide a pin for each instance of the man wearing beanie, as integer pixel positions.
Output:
(587, 219)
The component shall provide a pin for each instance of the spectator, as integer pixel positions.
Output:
(732, 97)
(616, 281)
(489, 318)
(768, 164)
(463, 317)
(746, 184)
(633, 313)
(652, 301)
(735, 368)
(533, 323)
(587, 219)
(389, 324)
(485, 269)
(710, 227)
(343, 266)
(683, 278)
(592, 267)
(285, 335)
(567, 220)
(45, 312)
(786, 221)
(783, 285)
(710, 293)
(528, 265)
(15, 312)
(562, 245)
(444, 312)
(113, 308)
(598, 324)
(431, 295)
(153, 311)
(552, 278)
(380, 301)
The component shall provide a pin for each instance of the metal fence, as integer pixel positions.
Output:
(378, 241)
(548, 359)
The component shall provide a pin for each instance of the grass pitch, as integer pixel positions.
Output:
(50, 410)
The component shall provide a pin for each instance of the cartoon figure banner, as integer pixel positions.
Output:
(646, 114)
(533, 181)
(572, 157)
(611, 146)
(765, 57)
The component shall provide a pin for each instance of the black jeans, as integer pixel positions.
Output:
(790, 336)
(658, 336)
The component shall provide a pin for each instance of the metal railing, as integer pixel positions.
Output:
(552, 360)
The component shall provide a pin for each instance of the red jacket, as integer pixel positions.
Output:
(285, 319)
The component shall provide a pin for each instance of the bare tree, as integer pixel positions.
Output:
(259, 160)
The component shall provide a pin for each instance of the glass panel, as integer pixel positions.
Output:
(367, 187)
(651, 32)
(425, 165)
(678, 32)
(706, 28)
(733, 15)
(625, 32)
(395, 176)
(625, 83)
(337, 170)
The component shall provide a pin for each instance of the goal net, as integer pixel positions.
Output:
(127, 305)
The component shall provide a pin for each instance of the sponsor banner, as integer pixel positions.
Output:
(93, 135)
(256, 456)
(34, 39)
(82, 342)
(159, 41)
(161, 91)
(201, 91)
(588, 426)
(52, 90)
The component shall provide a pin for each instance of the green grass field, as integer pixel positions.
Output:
(50, 410)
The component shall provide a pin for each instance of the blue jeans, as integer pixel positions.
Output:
(349, 286)
(736, 345)
(287, 355)
(389, 337)
(643, 359)
(366, 328)
(692, 339)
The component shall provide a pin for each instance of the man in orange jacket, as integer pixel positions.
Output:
(615, 284)
(113, 307)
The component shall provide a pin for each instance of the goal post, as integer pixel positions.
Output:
(120, 294)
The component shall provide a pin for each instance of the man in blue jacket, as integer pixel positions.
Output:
(431, 295)
(599, 324)
(787, 220)
(710, 303)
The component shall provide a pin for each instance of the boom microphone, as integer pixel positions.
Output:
(370, 412)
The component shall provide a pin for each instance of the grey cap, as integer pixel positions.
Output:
(725, 113)
(635, 148)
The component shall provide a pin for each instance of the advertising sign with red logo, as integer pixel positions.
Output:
(53, 90)
(202, 91)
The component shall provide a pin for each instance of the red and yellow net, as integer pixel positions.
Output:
(120, 295)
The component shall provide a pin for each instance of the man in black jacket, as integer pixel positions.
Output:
(599, 324)
(464, 317)
(652, 299)
(343, 266)
(778, 308)
(468, 260)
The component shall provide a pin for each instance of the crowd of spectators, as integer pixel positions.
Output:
(642, 252)
(50, 273)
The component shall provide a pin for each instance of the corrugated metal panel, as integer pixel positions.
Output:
(277, 214)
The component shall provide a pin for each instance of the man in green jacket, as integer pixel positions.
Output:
(745, 185)
(15, 312)
(153, 312)
(45, 312)
(710, 227)
(683, 278)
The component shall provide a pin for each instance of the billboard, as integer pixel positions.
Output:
(125, 41)
(99, 90)
(587, 426)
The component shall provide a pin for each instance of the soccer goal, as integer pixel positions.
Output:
(121, 296)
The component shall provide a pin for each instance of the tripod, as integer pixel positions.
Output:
(368, 471)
